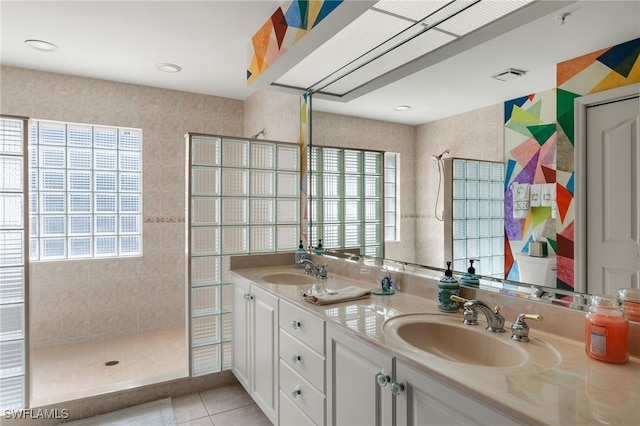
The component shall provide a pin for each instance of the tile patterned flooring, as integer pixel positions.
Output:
(75, 370)
(225, 406)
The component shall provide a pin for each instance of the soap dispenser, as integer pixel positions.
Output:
(300, 255)
(470, 278)
(448, 286)
(319, 249)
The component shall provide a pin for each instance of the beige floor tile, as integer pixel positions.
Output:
(203, 421)
(249, 415)
(225, 398)
(189, 407)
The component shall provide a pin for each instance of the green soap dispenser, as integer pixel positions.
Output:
(319, 249)
(448, 286)
(470, 278)
(301, 254)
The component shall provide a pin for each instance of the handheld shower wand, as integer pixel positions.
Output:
(438, 159)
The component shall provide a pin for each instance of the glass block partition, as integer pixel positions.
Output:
(13, 265)
(243, 198)
(477, 215)
(346, 199)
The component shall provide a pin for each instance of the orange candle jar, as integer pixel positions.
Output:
(630, 298)
(606, 330)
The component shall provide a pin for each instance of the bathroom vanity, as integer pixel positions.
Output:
(359, 362)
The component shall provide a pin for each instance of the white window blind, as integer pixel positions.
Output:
(85, 191)
(13, 265)
(391, 204)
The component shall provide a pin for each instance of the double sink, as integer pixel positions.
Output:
(427, 337)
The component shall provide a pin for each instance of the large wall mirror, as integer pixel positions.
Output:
(542, 153)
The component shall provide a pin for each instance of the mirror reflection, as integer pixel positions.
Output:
(533, 139)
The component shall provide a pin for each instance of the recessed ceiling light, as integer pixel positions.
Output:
(42, 45)
(169, 67)
(402, 108)
(509, 74)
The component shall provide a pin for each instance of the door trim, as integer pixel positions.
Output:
(581, 105)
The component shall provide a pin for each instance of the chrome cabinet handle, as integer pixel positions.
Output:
(295, 359)
(296, 391)
(397, 388)
(382, 379)
(247, 296)
(295, 324)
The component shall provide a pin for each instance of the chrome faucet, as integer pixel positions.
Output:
(311, 268)
(495, 320)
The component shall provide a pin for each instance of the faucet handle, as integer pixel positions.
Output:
(322, 270)
(520, 329)
(470, 315)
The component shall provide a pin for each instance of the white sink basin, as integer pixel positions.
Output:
(289, 278)
(446, 338)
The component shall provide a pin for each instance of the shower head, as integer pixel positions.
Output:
(262, 132)
(439, 157)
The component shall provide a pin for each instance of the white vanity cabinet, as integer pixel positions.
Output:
(302, 367)
(353, 394)
(255, 345)
(422, 400)
(363, 381)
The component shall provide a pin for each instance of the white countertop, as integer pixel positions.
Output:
(568, 388)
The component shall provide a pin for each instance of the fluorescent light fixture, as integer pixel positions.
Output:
(509, 74)
(41, 45)
(402, 108)
(171, 68)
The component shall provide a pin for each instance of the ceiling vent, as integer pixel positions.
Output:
(509, 74)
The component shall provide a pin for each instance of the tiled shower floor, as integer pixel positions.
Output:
(76, 370)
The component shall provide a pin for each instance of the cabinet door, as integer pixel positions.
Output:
(264, 351)
(240, 339)
(353, 395)
(426, 401)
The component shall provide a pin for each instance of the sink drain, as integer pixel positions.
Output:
(111, 363)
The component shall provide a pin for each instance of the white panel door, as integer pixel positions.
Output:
(264, 351)
(241, 295)
(353, 396)
(425, 402)
(613, 201)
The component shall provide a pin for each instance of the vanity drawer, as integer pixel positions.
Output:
(291, 414)
(302, 393)
(300, 357)
(302, 325)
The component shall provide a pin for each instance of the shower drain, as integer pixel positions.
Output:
(111, 363)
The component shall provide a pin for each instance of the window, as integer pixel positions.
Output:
(346, 199)
(391, 195)
(85, 191)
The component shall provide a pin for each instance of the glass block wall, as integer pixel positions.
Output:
(478, 216)
(244, 198)
(346, 199)
(13, 265)
(86, 191)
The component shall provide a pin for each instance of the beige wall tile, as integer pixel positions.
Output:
(17, 89)
(107, 296)
(476, 134)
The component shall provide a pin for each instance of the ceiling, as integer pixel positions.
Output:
(124, 40)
